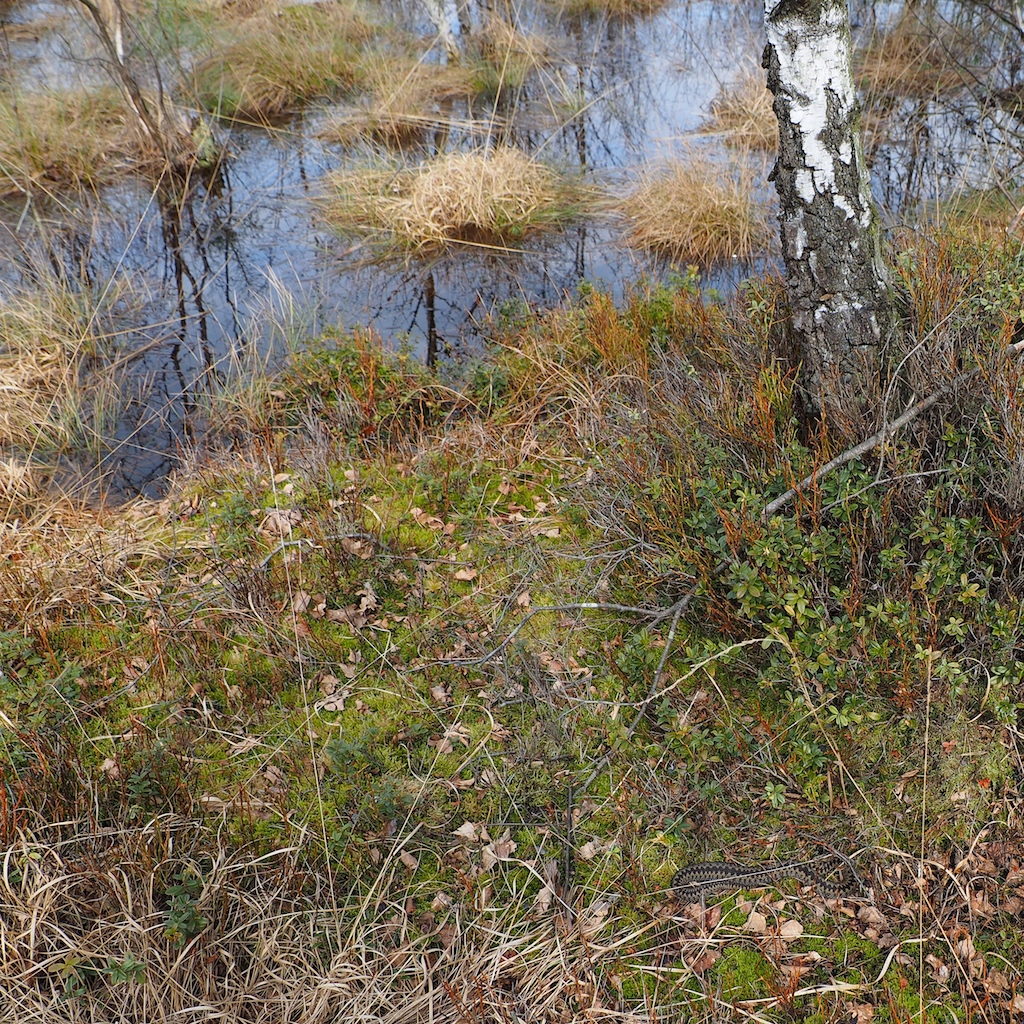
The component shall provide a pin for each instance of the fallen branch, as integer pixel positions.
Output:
(887, 431)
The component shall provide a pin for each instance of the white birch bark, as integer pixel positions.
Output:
(836, 278)
(439, 15)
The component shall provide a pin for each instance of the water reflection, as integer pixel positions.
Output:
(613, 95)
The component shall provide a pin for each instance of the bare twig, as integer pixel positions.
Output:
(654, 614)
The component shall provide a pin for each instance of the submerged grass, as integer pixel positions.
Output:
(699, 210)
(489, 197)
(403, 98)
(501, 58)
(607, 8)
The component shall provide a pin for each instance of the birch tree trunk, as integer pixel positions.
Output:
(837, 282)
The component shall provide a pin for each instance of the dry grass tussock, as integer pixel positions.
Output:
(510, 51)
(743, 113)
(117, 927)
(59, 139)
(401, 102)
(273, 62)
(42, 339)
(699, 210)
(609, 8)
(486, 197)
(62, 556)
(917, 58)
(979, 214)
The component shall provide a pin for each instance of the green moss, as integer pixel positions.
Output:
(741, 973)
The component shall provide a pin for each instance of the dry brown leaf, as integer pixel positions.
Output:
(359, 547)
(408, 860)
(110, 769)
(793, 972)
(500, 849)
(351, 616)
(243, 746)
(425, 519)
(593, 921)
(368, 600)
(300, 602)
(214, 804)
(940, 972)
(466, 574)
(135, 668)
(444, 743)
(757, 923)
(873, 917)
(439, 694)
(542, 901)
(467, 831)
(276, 779)
(790, 930)
(523, 600)
(708, 960)
(278, 522)
(862, 1013)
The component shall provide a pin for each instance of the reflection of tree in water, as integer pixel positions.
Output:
(943, 98)
(610, 95)
(442, 306)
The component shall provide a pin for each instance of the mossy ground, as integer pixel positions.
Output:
(357, 720)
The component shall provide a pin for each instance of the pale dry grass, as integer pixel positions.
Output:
(19, 482)
(699, 210)
(85, 937)
(743, 113)
(57, 139)
(486, 197)
(42, 338)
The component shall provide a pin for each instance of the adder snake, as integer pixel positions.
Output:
(717, 876)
